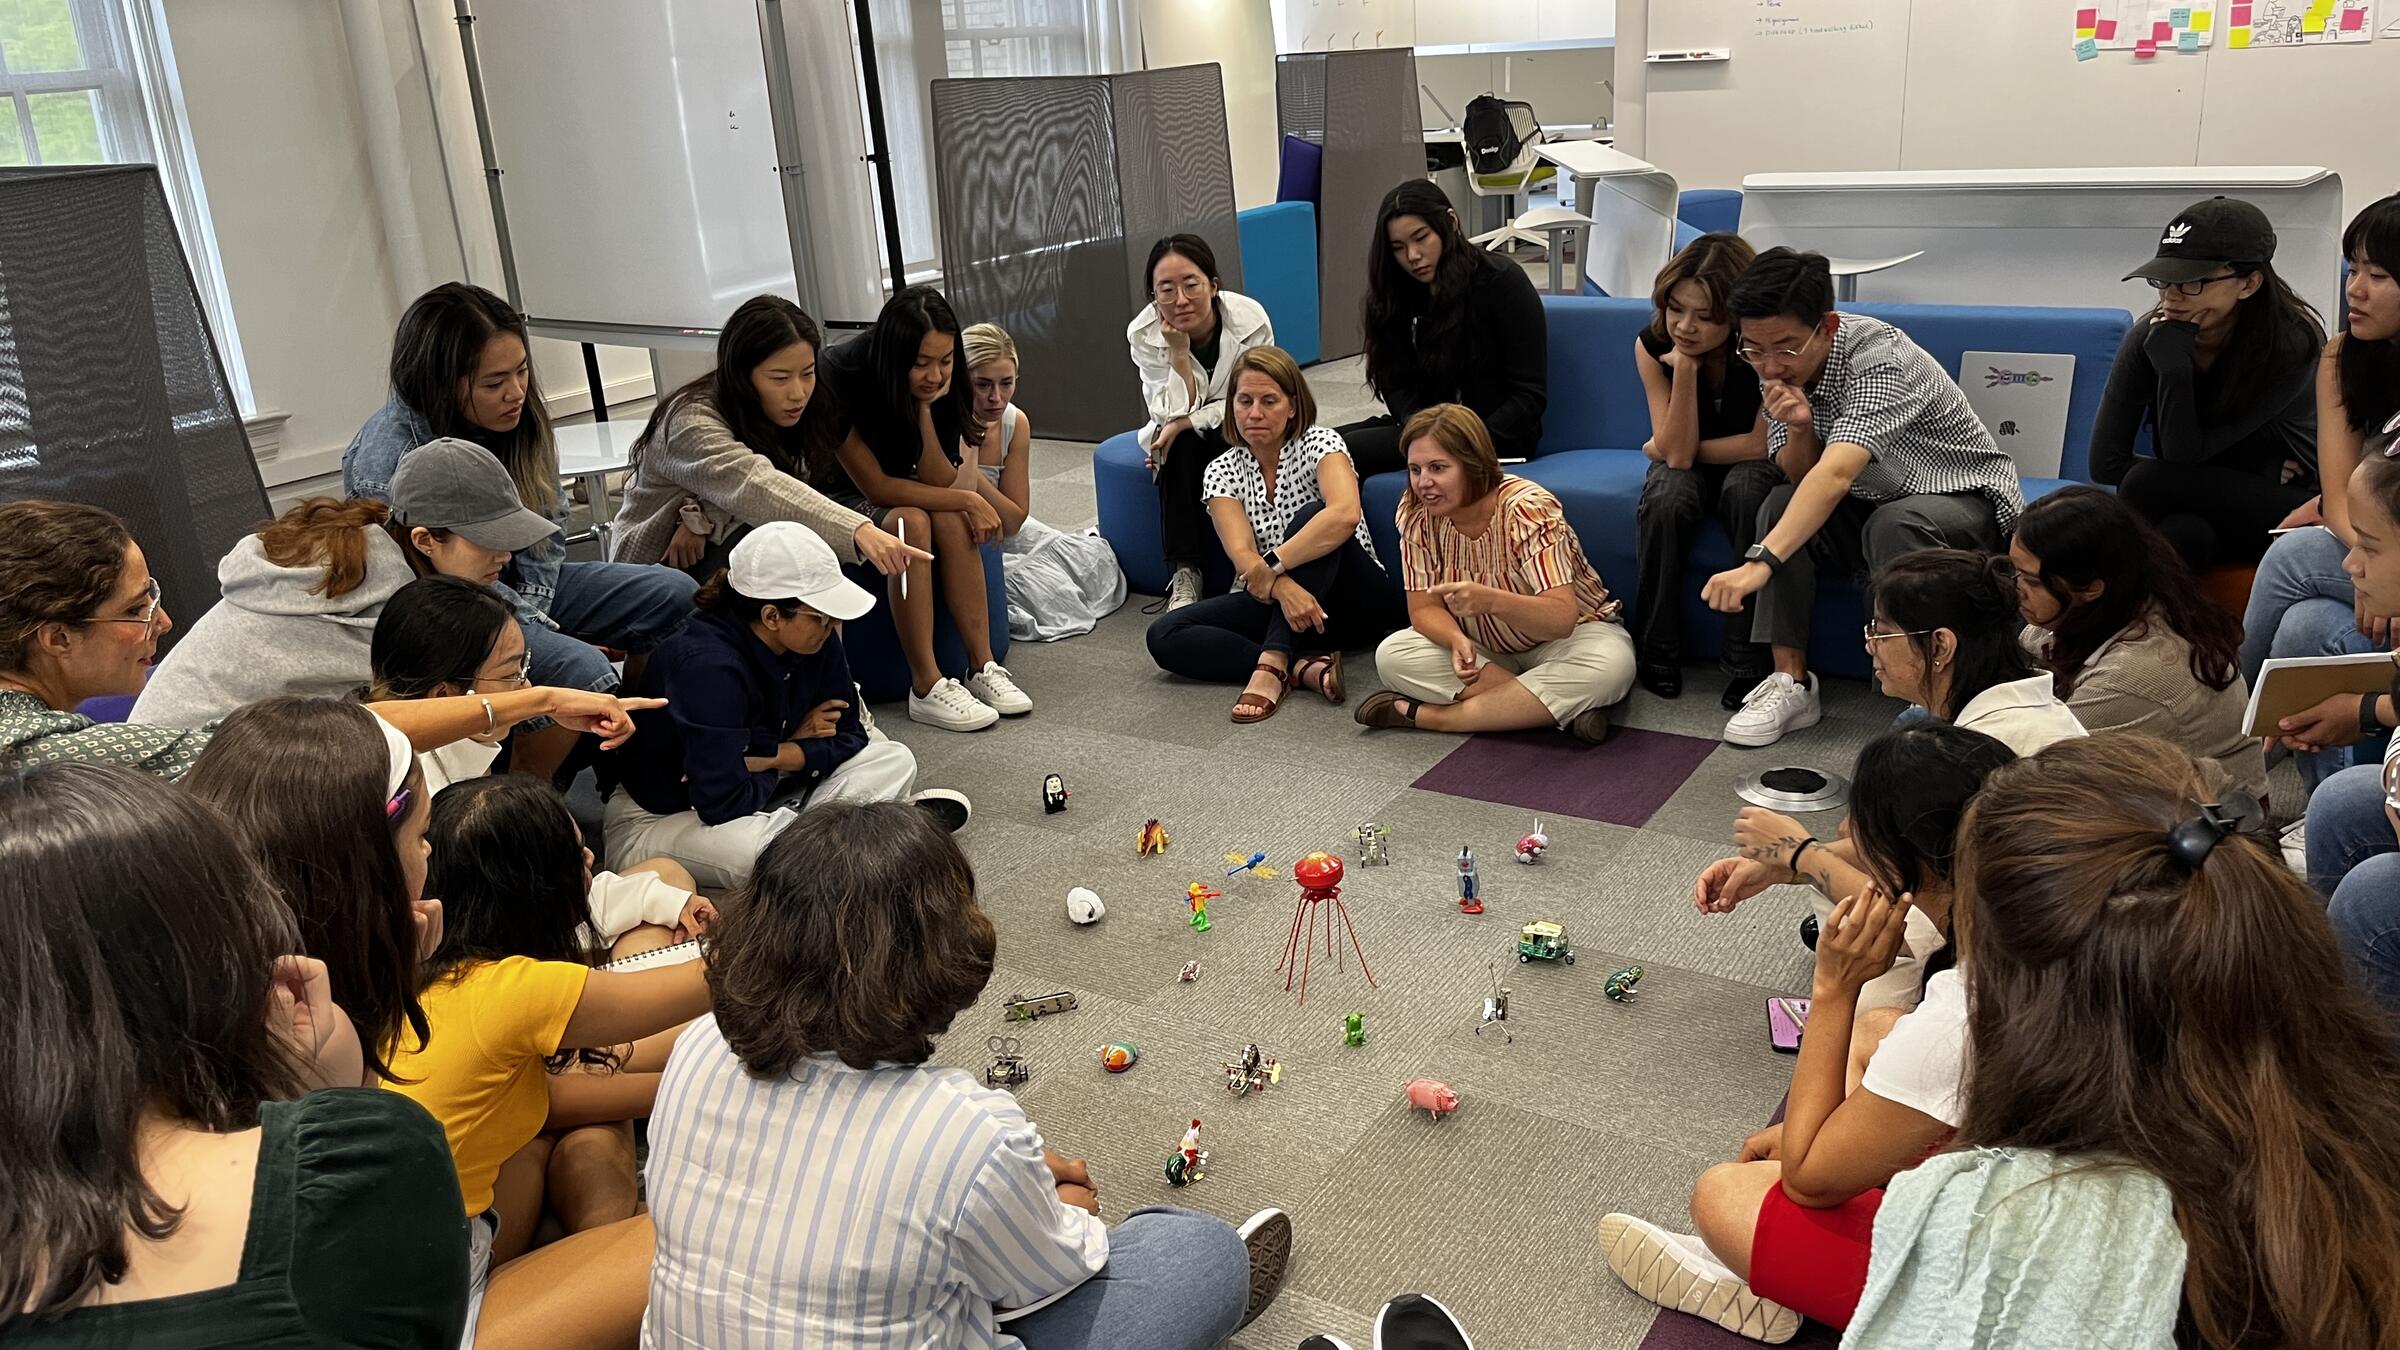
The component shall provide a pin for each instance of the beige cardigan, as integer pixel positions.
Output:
(736, 487)
(2145, 685)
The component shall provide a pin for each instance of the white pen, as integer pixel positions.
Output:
(903, 524)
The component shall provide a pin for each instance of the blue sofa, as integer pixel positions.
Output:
(1590, 452)
(1279, 271)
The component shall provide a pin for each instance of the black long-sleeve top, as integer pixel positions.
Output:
(2196, 416)
(1503, 369)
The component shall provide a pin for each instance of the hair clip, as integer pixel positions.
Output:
(2192, 841)
(397, 806)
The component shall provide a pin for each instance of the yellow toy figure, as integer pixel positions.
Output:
(1154, 839)
(1199, 895)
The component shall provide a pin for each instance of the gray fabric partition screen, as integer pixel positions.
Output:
(1360, 107)
(110, 388)
(1051, 190)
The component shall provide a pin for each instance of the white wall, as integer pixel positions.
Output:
(1563, 84)
(1239, 35)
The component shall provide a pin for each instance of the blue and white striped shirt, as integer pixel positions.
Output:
(844, 1209)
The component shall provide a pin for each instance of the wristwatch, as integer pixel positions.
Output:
(1274, 564)
(2368, 723)
(1758, 554)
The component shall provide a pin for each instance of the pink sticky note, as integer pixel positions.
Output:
(2144, 50)
(2162, 32)
(2108, 30)
(2241, 16)
(2087, 18)
(2353, 20)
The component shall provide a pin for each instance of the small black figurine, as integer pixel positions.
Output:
(1054, 794)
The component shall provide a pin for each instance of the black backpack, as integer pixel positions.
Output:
(1491, 134)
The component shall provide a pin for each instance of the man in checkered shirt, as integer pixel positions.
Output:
(1884, 456)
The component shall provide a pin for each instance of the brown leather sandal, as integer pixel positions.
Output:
(1323, 673)
(1383, 712)
(1251, 707)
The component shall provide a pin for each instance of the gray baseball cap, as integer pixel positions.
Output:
(458, 485)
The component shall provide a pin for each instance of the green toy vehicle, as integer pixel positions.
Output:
(1543, 940)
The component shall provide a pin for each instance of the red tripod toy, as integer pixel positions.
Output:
(1320, 878)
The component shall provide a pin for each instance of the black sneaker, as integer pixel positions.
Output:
(1268, 1236)
(1419, 1322)
(1739, 689)
(1662, 678)
(950, 808)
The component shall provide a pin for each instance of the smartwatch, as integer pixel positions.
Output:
(1274, 564)
(1758, 553)
(2368, 723)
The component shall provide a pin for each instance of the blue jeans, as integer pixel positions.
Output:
(2346, 826)
(2354, 862)
(1175, 1280)
(2302, 604)
(626, 605)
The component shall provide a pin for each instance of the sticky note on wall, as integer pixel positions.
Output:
(2239, 38)
(2187, 41)
(2144, 50)
(2087, 49)
(2087, 18)
(2314, 23)
(2353, 20)
(2241, 16)
(2203, 20)
(2179, 18)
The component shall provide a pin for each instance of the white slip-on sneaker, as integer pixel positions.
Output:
(994, 686)
(946, 805)
(1183, 588)
(1674, 1271)
(2294, 846)
(1780, 704)
(949, 706)
(1321, 1341)
(1268, 1236)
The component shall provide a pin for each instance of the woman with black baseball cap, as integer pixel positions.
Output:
(2223, 373)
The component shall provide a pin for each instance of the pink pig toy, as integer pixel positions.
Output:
(1435, 1096)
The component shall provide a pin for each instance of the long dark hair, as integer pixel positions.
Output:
(303, 779)
(1910, 787)
(1423, 365)
(139, 961)
(508, 866)
(762, 326)
(2197, 1022)
(2368, 373)
(440, 341)
(434, 631)
(2082, 535)
(2271, 330)
(858, 934)
(1974, 595)
(892, 345)
(1717, 261)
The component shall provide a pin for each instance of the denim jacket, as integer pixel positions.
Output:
(531, 578)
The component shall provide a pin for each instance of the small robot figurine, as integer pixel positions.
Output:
(1354, 1030)
(1190, 1162)
(1008, 1065)
(1374, 844)
(1255, 1073)
(1197, 895)
(1620, 985)
(1153, 839)
(1495, 1007)
(1470, 885)
(1531, 848)
(1054, 794)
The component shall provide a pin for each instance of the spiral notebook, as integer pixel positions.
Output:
(652, 960)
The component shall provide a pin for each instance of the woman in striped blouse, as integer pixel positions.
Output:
(1509, 626)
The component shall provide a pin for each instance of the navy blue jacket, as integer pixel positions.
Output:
(729, 697)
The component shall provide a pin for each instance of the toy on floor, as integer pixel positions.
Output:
(1190, 1162)
(1354, 1029)
(1118, 1056)
(1320, 878)
(1191, 972)
(1255, 864)
(1023, 1009)
(1197, 895)
(1544, 940)
(1083, 905)
(1374, 844)
(1434, 1096)
(1495, 1007)
(1054, 794)
(1470, 883)
(1153, 839)
(1008, 1066)
(1531, 848)
(1620, 985)
(1255, 1073)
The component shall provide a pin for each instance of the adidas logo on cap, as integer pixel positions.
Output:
(2175, 233)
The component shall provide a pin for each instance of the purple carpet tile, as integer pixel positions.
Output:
(1677, 1331)
(1623, 781)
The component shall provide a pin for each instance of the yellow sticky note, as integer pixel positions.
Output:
(2314, 23)
(2239, 38)
(2202, 20)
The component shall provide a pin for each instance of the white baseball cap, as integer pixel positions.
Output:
(785, 560)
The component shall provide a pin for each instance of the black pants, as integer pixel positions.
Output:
(1183, 525)
(2216, 515)
(1675, 504)
(1375, 446)
(1220, 639)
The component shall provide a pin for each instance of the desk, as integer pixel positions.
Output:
(2038, 236)
(1635, 216)
(588, 452)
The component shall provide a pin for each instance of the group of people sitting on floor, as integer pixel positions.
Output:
(326, 1051)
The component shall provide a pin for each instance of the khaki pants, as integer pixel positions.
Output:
(1591, 667)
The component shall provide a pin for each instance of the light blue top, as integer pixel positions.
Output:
(374, 456)
(2021, 1247)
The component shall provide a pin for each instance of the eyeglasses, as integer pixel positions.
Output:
(148, 618)
(1871, 637)
(2192, 288)
(1190, 290)
(521, 680)
(1754, 355)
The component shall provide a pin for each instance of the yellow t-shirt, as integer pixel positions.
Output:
(480, 1073)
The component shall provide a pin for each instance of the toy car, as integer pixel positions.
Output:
(1023, 1009)
(1544, 940)
(1008, 1065)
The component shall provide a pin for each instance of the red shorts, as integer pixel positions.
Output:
(1813, 1261)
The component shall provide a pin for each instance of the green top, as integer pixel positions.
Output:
(32, 733)
(357, 1238)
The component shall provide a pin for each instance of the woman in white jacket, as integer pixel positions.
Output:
(1184, 343)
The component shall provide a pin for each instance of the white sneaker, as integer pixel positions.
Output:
(949, 706)
(1676, 1271)
(866, 715)
(1778, 705)
(994, 686)
(946, 805)
(2295, 846)
(1183, 589)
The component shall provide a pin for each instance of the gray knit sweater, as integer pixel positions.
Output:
(696, 456)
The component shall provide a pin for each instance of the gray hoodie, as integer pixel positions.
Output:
(272, 635)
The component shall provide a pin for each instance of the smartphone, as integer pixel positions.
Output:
(1786, 1019)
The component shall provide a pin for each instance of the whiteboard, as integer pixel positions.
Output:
(1953, 84)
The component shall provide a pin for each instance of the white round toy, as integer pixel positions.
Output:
(1083, 905)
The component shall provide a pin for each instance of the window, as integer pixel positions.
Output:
(93, 82)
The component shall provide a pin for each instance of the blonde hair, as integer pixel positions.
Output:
(985, 343)
(1276, 364)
